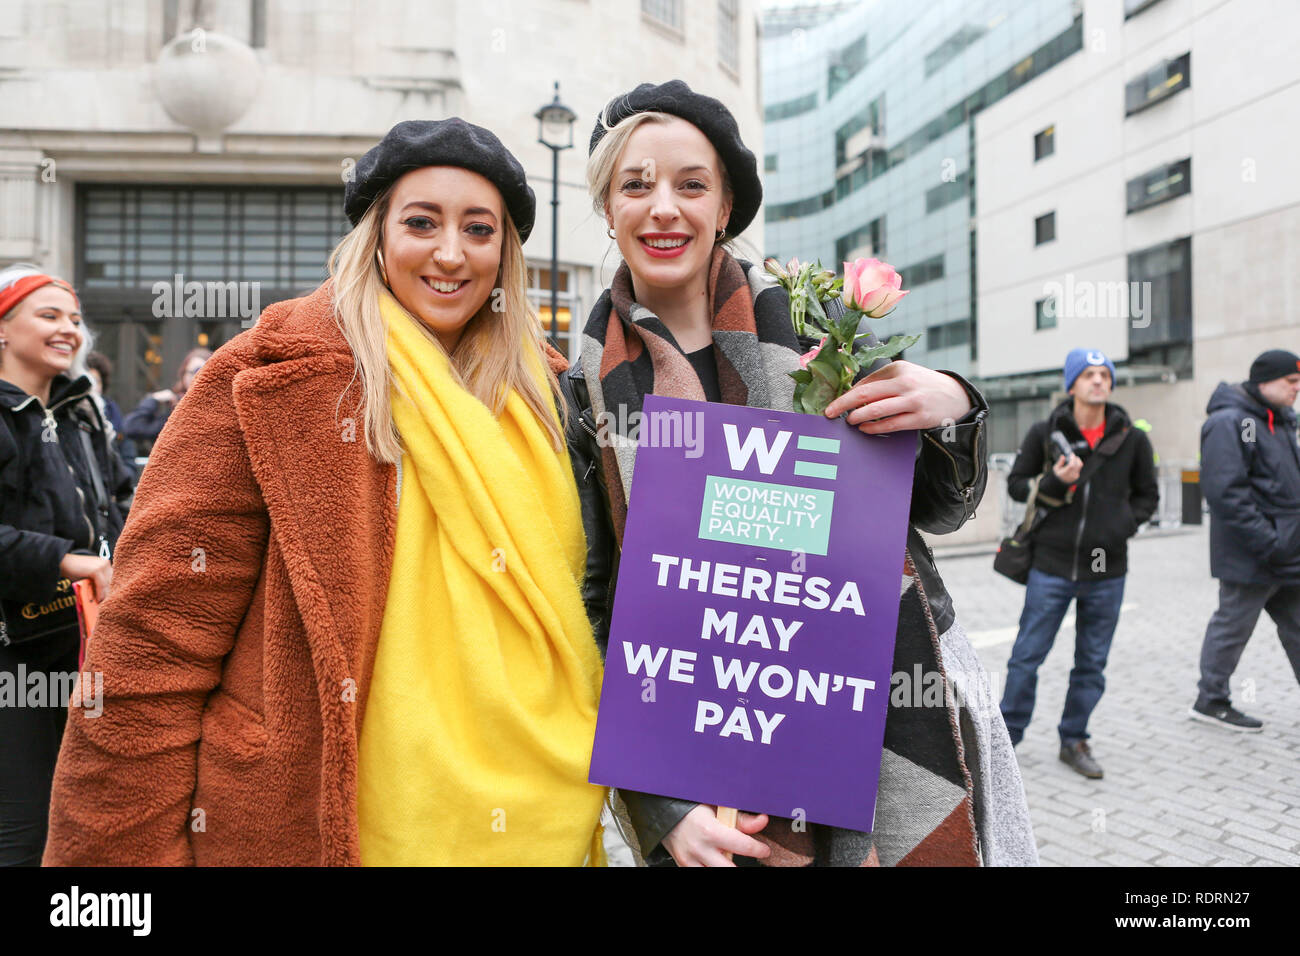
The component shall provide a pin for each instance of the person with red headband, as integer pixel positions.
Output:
(63, 496)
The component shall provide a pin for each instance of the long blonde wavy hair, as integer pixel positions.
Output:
(494, 356)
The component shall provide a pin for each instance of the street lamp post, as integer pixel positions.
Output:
(555, 131)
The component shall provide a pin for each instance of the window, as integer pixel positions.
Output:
(945, 193)
(1045, 228)
(729, 34)
(1045, 312)
(788, 108)
(1044, 143)
(1160, 185)
(852, 139)
(864, 242)
(1133, 7)
(941, 55)
(1158, 84)
(769, 163)
(948, 335)
(539, 293)
(1163, 277)
(845, 64)
(667, 13)
(922, 272)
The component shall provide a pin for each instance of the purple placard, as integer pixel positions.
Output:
(804, 607)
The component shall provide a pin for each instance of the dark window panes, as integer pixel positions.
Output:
(1045, 314)
(845, 63)
(1044, 143)
(1161, 277)
(788, 108)
(946, 193)
(1045, 228)
(1160, 185)
(922, 272)
(1158, 84)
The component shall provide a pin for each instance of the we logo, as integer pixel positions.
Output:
(767, 454)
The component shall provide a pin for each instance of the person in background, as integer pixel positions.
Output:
(1250, 476)
(100, 370)
(1081, 547)
(63, 492)
(143, 425)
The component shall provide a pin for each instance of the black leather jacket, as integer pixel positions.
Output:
(949, 480)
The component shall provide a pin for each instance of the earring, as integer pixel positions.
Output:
(718, 237)
(379, 259)
(610, 232)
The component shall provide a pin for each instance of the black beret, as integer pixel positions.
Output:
(415, 144)
(713, 120)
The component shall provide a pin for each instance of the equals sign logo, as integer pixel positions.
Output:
(817, 469)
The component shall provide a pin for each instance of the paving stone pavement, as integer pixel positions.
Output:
(1176, 792)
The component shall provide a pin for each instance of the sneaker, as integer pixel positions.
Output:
(1079, 757)
(1226, 716)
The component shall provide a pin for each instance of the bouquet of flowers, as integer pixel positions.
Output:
(870, 289)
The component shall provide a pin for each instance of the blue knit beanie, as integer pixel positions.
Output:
(1079, 359)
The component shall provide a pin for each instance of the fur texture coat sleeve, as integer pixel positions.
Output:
(185, 570)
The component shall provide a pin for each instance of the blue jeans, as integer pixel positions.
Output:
(1096, 613)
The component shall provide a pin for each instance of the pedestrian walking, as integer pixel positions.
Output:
(1250, 476)
(1092, 474)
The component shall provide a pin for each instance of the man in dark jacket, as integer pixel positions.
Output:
(1250, 475)
(1080, 547)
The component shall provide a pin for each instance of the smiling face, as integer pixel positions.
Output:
(666, 203)
(1093, 385)
(442, 246)
(44, 335)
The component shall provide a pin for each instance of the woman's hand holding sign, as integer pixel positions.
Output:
(902, 396)
(700, 840)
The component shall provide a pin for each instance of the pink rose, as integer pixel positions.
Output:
(811, 354)
(872, 287)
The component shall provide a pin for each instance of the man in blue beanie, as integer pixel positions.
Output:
(1093, 473)
(1250, 475)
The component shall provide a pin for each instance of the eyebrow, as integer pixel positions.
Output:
(434, 207)
(684, 169)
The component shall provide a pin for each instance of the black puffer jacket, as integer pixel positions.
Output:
(1250, 475)
(949, 479)
(47, 494)
(1085, 534)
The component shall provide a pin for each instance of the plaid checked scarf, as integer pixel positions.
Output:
(925, 808)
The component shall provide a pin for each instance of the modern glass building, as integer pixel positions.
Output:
(868, 127)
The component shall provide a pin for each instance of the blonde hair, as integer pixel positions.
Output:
(494, 356)
(604, 158)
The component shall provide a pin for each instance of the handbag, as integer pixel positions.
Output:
(22, 622)
(1015, 554)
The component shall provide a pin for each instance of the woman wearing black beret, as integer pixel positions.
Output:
(682, 317)
(346, 626)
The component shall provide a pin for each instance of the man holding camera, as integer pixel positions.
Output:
(1093, 473)
(1250, 474)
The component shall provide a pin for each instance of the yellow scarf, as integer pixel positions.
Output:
(477, 734)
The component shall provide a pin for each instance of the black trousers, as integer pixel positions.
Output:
(29, 746)
(1232, 624)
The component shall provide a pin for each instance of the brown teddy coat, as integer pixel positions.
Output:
(239, 640)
